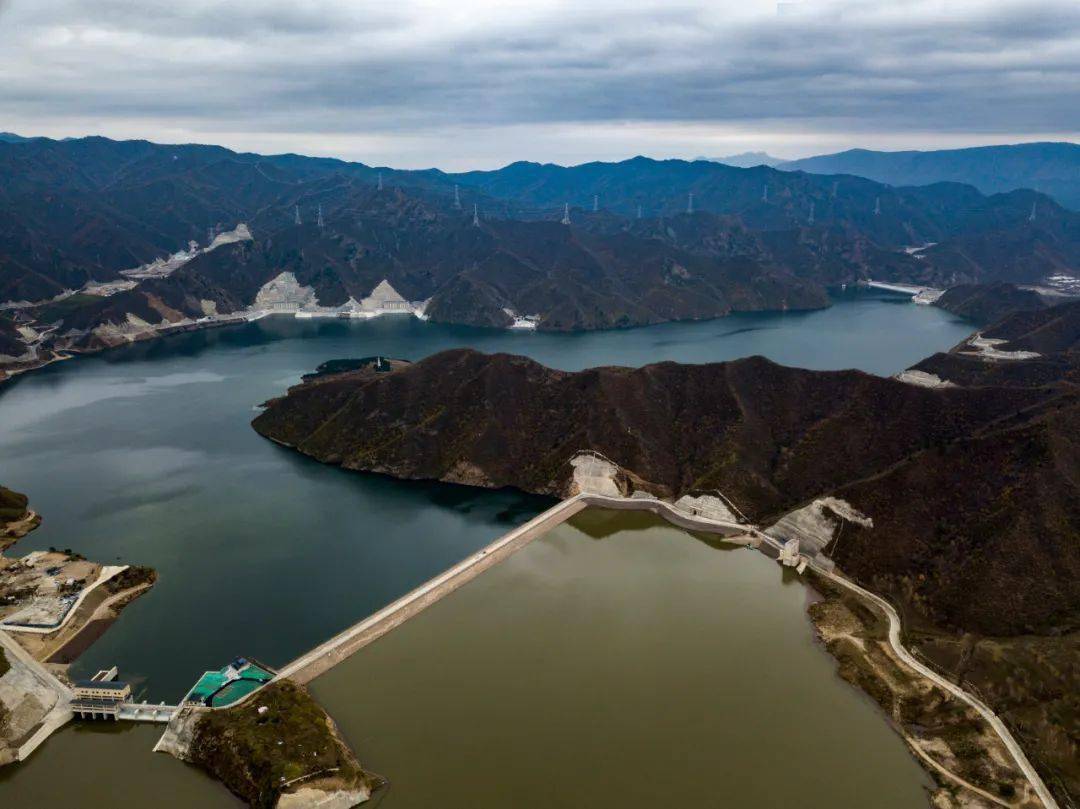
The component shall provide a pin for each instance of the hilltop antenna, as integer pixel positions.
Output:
(595, 202)
(639, 212)
(298, 215)
(457, 198)
(380, 181)
(566, 213)
(319, 221)
(1031, 217)
(811, 219)
(765, 193)
(475, 216)
(877, 206)
(690, 203)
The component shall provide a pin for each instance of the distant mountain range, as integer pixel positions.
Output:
(747, 160)
(648, 240)
(1052, 168)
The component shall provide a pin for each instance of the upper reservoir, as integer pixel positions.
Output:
(618, 661)
(145, 455)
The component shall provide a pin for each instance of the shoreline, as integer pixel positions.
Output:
(16, 369)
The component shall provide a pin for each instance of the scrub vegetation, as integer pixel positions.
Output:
(259, 754)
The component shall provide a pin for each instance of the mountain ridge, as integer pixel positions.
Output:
(1052, 167)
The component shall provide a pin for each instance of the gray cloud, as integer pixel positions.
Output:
(419, 66)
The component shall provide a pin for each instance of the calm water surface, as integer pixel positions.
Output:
(145, 455)
(101, 766)
(618, 661)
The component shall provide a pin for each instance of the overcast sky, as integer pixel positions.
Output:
(479, 83)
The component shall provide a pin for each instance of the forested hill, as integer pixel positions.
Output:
(79, 211)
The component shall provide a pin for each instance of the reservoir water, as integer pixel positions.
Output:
(618, 661)
(145, 455)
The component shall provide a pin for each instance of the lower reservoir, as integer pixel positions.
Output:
(96, 765)
(618, 661)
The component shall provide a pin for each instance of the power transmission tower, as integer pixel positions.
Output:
(639, 212)
(690, 203)
(457, 198)
(475, 216)
(765, 194)
(1031, 217)
(566, 214)
(595, 202)
(298, 215)
(319, 220)
(877, 206)
(835, 185)
(811, 219)
(380, 181)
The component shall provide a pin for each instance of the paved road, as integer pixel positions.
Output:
(999, 727)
